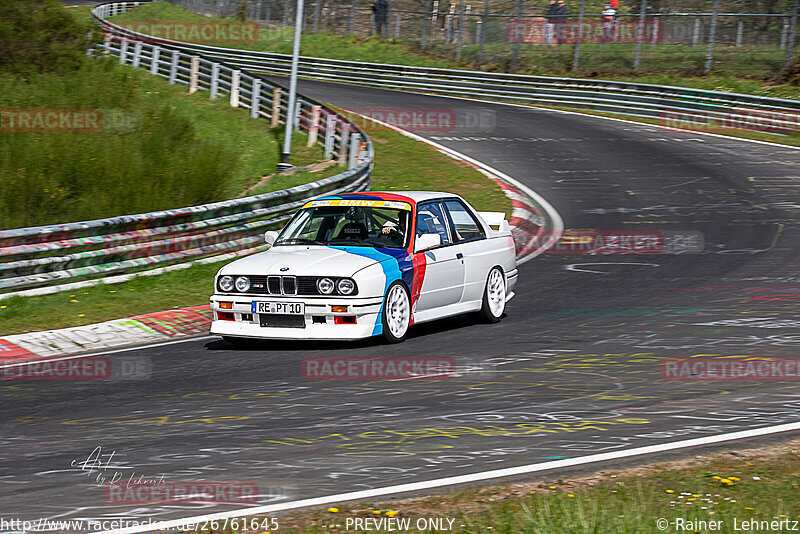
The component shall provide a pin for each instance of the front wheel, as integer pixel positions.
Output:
(494, 297)
(396, 315)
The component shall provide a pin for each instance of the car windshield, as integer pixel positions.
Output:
(349, 223)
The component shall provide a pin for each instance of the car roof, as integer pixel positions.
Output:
(413, 196)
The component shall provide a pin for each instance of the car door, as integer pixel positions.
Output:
(479, 254)
(443, 283)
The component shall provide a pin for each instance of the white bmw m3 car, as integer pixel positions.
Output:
(368, 264)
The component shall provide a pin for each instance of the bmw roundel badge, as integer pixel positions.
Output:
(284, 269)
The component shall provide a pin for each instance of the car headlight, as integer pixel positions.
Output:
(325, 286)
(226, 284)
(242, 284)
(345, 286)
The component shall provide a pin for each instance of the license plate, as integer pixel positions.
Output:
(282, 308)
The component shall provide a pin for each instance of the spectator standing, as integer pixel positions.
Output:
(549, 25)
(560, 20)
(609, 18)
(381, 10)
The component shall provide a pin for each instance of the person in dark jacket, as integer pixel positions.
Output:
(381, 11)
(549, 26)
(560, 18)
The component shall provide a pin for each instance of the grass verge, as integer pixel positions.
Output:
(176, 289)
(167, 149)
(731, 490)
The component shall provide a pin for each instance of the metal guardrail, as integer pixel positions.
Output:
(37, 256)
(749, 112)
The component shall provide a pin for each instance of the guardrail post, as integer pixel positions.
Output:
(313, 126)
(317, 8)
(325, 19)
(515, 46)
(123, 50)
(696, 32)
(236, 77)
(194, 74)
(397, 18)
(298, 109)
(739, 32)
(792, 33)
(345, 136)
(577, 52)
(484, 23)
(154, 60)
(352, 160)
(639, 35)
(424, 39)
(214, 88)
(173, 67)
(330, 135)
(460, 40)
(712, 33)
(255, 99)
(276, 107)
(137, 54)
(351, 17)
(784, 34)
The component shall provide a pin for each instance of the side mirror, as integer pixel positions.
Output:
(426, 242)
(270, 237)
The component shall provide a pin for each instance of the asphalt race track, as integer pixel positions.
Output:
(573, 369)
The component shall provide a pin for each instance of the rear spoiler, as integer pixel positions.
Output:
(495, 219)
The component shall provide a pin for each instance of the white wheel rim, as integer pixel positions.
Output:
(398, 311)
(496, 293)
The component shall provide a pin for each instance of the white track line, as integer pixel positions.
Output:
(93, 354)
(461, 479)
(555, 217)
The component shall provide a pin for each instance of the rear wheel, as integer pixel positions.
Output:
(396, 315)
(494, 297)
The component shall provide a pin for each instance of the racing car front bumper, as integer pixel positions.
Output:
(360, 318)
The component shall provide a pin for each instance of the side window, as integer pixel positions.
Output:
(431, 220)
(465, 226)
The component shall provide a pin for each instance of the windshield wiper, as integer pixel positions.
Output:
(349, 242)
(299, 241)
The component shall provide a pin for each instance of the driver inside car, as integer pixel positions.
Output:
(390, 230)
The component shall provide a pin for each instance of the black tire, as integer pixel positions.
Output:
(489, 310)
(240, 342)
(388, 335)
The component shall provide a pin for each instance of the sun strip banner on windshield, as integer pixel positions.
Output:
(358, 203)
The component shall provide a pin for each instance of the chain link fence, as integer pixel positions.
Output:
(758, 44)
